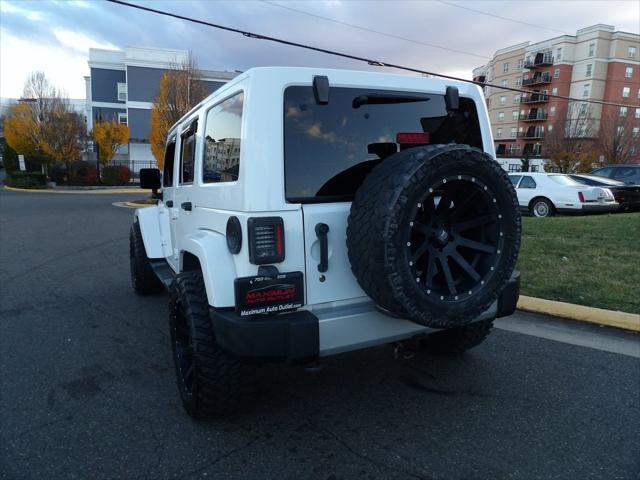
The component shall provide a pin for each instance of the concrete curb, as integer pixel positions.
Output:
(611, 318)
(77, 192)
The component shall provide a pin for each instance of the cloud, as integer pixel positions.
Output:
(68, 29)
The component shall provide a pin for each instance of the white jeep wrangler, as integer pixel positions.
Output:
(308, 212)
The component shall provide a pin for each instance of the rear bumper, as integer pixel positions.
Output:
(591, 207)
(328, 329)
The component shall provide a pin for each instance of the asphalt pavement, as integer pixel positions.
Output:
(87, 388)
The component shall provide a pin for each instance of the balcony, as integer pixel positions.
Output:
(537, 80)
(532, 134)
(535, 98)
(540, 60)
(533, 117)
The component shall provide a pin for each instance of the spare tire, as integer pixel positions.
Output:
(434, 233)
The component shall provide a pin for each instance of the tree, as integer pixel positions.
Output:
(110, 136)
(181, 88)
(572, 136)
(616, 141)
(21, 130)
(525, 163)
(63, 133)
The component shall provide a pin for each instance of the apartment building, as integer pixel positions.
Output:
(598, 63)
(123, 84)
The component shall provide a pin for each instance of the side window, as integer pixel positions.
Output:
(626, 174)
(188, 154)
(514, 179)
(169, 155)
(527, 182)
(222, 135)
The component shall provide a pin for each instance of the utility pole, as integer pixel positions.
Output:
(99, 119)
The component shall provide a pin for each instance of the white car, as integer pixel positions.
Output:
(543, 194)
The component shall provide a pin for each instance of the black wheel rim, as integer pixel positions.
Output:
(183, 351)
(455, 238)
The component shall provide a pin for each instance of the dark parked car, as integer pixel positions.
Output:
(629, 174)
(628, 196)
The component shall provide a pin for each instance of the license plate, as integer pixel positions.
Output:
(259, 295)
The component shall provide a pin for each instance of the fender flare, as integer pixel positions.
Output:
(216, 264)
(156, 234)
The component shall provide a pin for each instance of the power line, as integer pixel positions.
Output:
(376, 63)
(371, 30)
(502, 18)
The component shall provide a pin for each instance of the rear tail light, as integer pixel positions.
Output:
(266, 240)
(581, 197)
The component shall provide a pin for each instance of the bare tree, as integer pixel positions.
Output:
(572, 137)
(616, 141)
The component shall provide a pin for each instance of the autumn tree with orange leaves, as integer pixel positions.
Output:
(110, 136)
(181, 88)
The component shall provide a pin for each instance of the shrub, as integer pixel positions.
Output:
(58, 173)
(115, 175)
(81, 174)
(9, 158)
(32, 180)
(124, 174)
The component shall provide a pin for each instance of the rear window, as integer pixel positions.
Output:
(564, 180)
(329, 149)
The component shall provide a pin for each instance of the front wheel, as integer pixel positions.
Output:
(212, 382)
(457, 340)
(541, 207)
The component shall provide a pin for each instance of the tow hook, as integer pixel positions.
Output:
(400, 350)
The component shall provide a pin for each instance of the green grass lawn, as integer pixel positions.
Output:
(589, 260)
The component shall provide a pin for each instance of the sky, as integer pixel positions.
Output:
(55, 35)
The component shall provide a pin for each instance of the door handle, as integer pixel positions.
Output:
(169, 203)
(186, 206)
(322, 229)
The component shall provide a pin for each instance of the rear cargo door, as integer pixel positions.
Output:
(336, 282)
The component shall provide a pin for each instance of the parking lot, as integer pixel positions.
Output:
(87, 388)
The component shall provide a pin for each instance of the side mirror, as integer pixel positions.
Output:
(150, 179)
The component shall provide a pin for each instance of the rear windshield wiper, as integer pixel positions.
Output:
(385, 99)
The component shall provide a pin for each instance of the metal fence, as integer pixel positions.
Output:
(134, 167)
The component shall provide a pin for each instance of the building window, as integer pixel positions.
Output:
(550, 128)
(222, 136)
(636, 132)
(513, 167)
(514, 115)
(554, 91)
(637, 112)
(592, 49)
(552, 111)
(505, 67)
(628, 72)
(586, 90)
(504, 83)
(632, 150)
(626, 91)
(620, 131)
(513, 133)
(559, 54)
(518, 81)
(122, 92)
(556, 73)
(588, 72)
(501, 116)
(122, 118)
(503, 100)
(521, 64)
(632, 52)
(499, 133)
(516, 99)
(623, 111)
